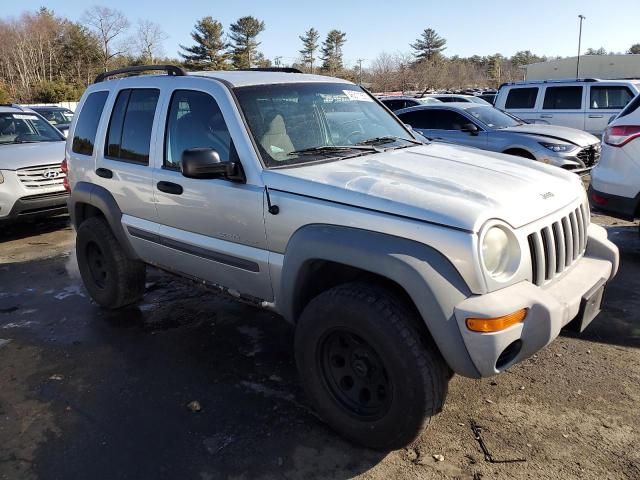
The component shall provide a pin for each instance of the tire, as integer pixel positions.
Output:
(111, 278)
(404, 374)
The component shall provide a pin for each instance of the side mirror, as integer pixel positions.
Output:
(470, 128)
(206, 163)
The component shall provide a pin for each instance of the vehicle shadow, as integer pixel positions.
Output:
(619, 322)
(29, 228)
(125, 405)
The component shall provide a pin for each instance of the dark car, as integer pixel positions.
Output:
(400, 102)
(59, 117)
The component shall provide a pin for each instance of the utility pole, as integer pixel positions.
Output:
(360, 60)
(581, 17)
(276, 61)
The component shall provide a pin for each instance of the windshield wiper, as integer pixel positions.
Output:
(334, 148)
(387, 139)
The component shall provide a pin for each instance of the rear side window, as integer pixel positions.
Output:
(614, 98)
(563, 98)
(87, 125)
(521, 98)
(631, 107)
(129, 134)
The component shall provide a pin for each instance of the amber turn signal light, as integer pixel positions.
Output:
(496, 324)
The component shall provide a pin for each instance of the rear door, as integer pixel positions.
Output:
(564, 105)
(604, 102)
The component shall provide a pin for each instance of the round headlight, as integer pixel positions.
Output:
(500, 252)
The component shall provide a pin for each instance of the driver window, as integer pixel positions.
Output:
(451, 120)
(194, 120)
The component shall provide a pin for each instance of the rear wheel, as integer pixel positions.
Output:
(365, 367)
(112, 279)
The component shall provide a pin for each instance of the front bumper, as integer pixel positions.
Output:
(580, 160)
(550, 308)
(32, 206)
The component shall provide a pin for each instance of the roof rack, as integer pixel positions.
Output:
(170, 69)
(271, 69)
(559, 80)
(12, 105)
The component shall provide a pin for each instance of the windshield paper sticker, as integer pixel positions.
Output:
(357, 96)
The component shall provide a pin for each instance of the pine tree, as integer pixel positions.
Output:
(309, 47)
(244, 48)
(208, 52)
(429, 46)
(332, 51)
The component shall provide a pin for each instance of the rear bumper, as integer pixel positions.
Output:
(614, 205)
(38, 205)
(550, 308)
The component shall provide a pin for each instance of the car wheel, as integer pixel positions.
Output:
(112, 279)
(366, 368)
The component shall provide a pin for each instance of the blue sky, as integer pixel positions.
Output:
(470, 27)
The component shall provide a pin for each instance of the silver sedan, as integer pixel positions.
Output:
(488, 128)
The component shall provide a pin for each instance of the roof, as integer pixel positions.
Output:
(240, 78)
(449, 95)
(7, 108)
(47, 107)
(445, 105)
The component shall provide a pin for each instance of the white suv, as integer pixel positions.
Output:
(586, 104)
(615, 182)
(398, 262)
(31, 175)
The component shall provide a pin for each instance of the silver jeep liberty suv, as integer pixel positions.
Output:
(399, 262)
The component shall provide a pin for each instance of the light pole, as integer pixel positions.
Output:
(360, 60)
(581, 17)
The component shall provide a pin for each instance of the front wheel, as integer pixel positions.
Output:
(366, 368)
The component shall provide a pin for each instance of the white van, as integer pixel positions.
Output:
(586, 104)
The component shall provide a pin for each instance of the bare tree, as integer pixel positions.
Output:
(107, 23)
(148, 40)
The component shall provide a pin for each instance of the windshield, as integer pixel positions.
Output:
(298, 123)
(26, 128)
(492, 117)
(56, 117)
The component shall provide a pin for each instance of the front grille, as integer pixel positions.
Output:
(42, 176)
(556, 247)
(589, 155)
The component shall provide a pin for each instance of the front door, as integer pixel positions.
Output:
(211, 229)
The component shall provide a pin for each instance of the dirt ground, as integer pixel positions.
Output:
(89, 394)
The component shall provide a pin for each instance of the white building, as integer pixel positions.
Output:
(591, 66)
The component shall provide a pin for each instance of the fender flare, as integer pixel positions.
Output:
(85, 193)
(427, 276)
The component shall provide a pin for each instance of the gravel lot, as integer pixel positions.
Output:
(87, 394)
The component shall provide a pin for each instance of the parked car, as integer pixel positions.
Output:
(398, 262)
(59, 117)
(31, 179)
(615, 182)
(398, 103)
(488, 128)
(586, 104)
(457, 98)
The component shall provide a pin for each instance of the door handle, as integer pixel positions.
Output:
(104, 173)
(170, 187)
(596, 116)
(546, 116)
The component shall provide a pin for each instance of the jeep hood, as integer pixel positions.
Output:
(555, 132)
(21, 155)
(449, 185)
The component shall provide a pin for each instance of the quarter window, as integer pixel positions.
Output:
(84, 135)
(521, 98)
(614, 98)
(563, 98)
(129, 134)
(194, 120)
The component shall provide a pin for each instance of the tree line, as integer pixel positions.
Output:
(48, 58)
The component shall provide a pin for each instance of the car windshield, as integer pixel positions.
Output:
(299, 123)
(56, 117)
(492, 117)
(26, 128)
